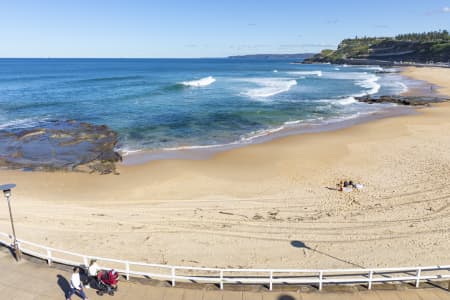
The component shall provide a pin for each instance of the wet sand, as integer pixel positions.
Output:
(246, 207)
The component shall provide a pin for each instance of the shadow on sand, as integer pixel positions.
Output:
(285, 297)
(63, 284)
(300, 244)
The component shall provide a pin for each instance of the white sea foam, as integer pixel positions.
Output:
(126, 151)
(263, 134)
(366, 80)
(369, 83)
(269, 87)
(346, 101)
(255, 135)
(403, 87)
(200, 82)
(375, 68)
(259, 134)
(338, 101)
(196, 147)
(346, 75)
(20, 123)
(275, 71)
(306, 73)
(244, 139)
(394, 83)
(293, 122)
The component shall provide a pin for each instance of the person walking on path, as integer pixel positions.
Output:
(76, 287)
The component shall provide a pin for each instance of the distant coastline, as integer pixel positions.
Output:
(298, 56)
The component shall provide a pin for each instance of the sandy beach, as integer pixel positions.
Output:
(245, 207)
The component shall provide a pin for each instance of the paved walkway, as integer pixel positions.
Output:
(35, 280)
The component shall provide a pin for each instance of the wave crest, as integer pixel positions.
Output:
(347, 101)
(269, 87)
(371, 84)
(365, 80)
(305, 73)
(200, 82)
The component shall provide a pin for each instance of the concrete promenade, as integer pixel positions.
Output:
(33, 279)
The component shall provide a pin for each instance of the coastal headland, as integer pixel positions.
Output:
(246, 206)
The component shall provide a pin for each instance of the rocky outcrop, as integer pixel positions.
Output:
(401, 100)
(60, 145)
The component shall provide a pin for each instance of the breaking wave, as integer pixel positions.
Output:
(365, 80)
(369, 83)
(200, 82)
(269, 87)
(346, 101)
(306, 73)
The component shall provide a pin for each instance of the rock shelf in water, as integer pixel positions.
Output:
(402, 100)
(60, 145)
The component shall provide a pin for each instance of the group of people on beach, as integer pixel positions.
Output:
(348, 186)
(76, 283)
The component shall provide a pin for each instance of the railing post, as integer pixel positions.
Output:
(419, 270)
(271, 280)
(19, 250)
(173, 276)
(49, 257)
(221, 279)
(320, 280)
(370, 279)
(127, 269)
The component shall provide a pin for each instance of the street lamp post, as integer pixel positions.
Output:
(6, 188)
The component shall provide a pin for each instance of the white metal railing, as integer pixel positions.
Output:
(220, 276)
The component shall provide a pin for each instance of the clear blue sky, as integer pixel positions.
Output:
(203, 28)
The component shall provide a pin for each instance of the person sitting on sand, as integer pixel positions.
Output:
(347, 186)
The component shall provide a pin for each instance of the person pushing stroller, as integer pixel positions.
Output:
(104, 281)
(93, 270)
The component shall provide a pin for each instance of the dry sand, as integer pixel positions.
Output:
(245, 207)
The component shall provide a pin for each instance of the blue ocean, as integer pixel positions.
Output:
(167, 104)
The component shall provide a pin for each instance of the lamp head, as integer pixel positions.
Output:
(6, 188)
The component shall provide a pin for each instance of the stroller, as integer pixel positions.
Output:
(107, 282)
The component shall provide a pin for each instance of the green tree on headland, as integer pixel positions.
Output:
(432, 36)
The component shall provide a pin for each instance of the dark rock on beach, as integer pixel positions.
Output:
(402, 100)
(387, 71)
(60, 145)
